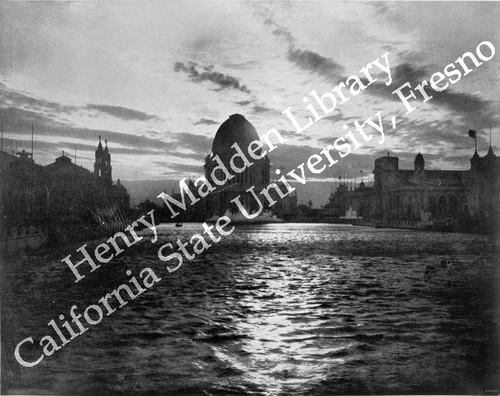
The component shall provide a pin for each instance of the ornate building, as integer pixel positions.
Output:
(61, 192)
(236, 129)
(429, 196)
(23, 197)
(233, 134)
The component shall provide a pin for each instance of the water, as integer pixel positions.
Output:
(284, 309)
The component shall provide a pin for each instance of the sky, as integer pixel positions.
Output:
(156, 79)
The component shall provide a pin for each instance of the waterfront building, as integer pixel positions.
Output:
(424, 195)
(236, 129)
(61, 192)
(22, 192)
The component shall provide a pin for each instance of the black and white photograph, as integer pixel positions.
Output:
(266, 198)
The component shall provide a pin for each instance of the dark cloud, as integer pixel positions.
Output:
(205, 121)
(181, 168)
(17, 99)
(223, 81)
(280, 31)
(40, 147)
(260, 109)
(316, 63)
(285, 34)
(470, 111)
(269, 21)
(288, 133)
(305, 59)
(17, 122)
(464, 104)
(244, 102)
(122, 112)
(256, 108)
(406, 72)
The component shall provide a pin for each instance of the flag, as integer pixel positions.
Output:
(472, 133)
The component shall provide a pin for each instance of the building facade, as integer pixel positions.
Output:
(59, 193)
(237, 130)
(426, 196)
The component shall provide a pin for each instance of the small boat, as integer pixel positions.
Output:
(178, 224)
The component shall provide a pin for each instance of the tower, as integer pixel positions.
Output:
(102, 164)
(419, 163)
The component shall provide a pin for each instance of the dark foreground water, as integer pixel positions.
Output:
(287, 309)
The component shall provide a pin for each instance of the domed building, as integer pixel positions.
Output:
(235, 130)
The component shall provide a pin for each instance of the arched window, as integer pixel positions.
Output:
(432, 206)
(442, 209)
(454, 208)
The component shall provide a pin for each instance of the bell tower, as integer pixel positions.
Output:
(102, 164)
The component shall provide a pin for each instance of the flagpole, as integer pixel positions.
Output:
(490, 134)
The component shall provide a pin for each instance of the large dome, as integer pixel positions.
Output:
(236, 129)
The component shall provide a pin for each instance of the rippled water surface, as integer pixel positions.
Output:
(287, 309)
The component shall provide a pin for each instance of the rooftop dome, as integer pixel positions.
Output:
(419, 162)
(236, 129)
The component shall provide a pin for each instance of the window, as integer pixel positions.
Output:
(453, 206)
(432, 207)
(442, 209)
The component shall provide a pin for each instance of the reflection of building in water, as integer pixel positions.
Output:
(236, 129)
(32, 194)
(425, 195)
